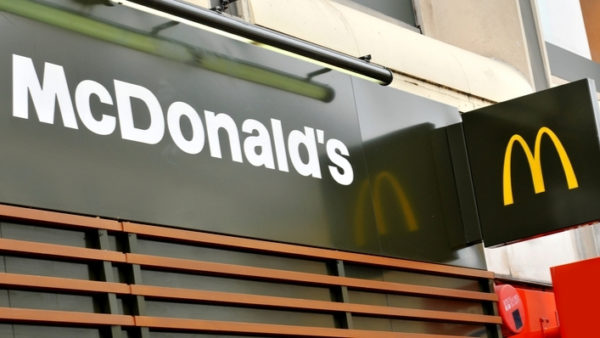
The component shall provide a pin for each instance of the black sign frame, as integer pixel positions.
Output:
(535, 162)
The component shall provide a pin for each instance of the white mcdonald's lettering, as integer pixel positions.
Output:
(256, 144)
(535, 165)
(381, 224)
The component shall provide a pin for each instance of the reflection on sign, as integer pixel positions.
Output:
(383, 179)
(535, 165)
(148, 42)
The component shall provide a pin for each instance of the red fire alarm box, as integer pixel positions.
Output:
(540, 319)
(511, 309)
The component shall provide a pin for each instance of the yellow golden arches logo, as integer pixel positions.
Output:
(535, 164)
(402, 199)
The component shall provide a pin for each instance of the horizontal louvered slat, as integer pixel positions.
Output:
(66, 284)
(305, 304)
(270, 329)
(55, 250)
(62, 284)
(26, 214)
(242, 271)
(301, 251)
(63, 317)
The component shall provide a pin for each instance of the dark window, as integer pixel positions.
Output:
(402, 10)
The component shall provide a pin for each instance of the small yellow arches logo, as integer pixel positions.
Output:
(535, 165)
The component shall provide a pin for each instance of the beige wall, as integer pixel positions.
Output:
(489, 28)
(423, 65)
(475, 53)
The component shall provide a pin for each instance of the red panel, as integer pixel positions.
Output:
(576, 287)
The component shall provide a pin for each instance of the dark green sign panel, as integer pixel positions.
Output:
(108, 111)
(535, 162)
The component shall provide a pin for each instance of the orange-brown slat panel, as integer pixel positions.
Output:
(63, 317)
(27, 214)
(67, 284)
(302, 277)
(20, 213)
(591, 18)
(309, 305)
(55, 250)
(297, 250)
(270, 329)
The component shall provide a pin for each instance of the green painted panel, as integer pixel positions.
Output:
(108, 116)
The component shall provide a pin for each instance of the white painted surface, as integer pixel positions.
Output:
(531, 260)
(563, 26)
(201, 3)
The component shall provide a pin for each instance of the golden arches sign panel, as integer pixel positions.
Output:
(535, 162)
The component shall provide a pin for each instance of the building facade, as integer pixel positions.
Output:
(165, 177)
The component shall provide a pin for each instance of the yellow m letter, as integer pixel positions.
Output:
(535, 165)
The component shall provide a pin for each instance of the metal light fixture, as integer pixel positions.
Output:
(266, 38)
